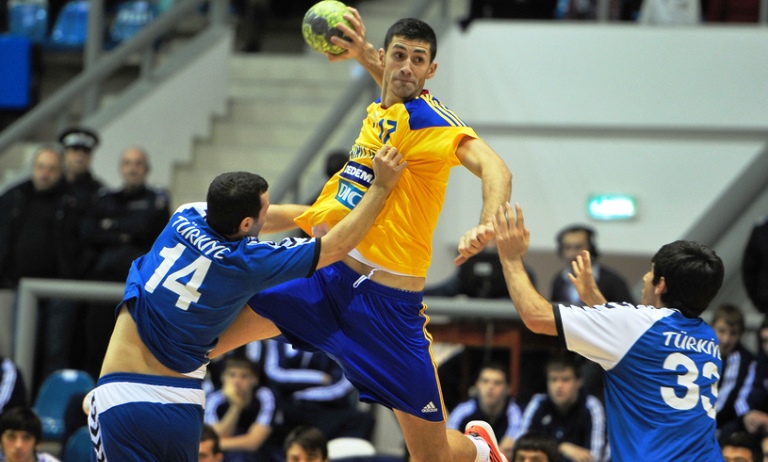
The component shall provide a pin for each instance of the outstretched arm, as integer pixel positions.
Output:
(358, 47)
(280, 217)
(512, 239)
(483, 162)
(582, 278)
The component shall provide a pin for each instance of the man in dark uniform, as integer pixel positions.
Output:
(79, 144)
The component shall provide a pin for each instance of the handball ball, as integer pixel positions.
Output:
(319, 25)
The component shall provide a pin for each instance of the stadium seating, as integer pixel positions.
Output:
(54, 396)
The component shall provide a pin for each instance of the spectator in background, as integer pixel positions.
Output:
(755, 421)
(79, 144)
(535, 447)
(492, 403)
(306, 444)
(12, 390)
(741, 447)
(210, 450)
(311, 389)
(39, 239)
(242, 412)
(571, 240)
(576, 420)
(20, 433)
(754, 266)
(733, 11)
(738, 371)
(119, 228)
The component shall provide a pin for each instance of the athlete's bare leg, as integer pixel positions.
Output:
(432, 442)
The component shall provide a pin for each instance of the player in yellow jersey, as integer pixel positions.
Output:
(367, 312)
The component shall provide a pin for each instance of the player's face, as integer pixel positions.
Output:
(525, 455)
(46, 170)
(573, 243)
(727, 335)
(133, 168)
(206, 453)
(406, 67)
(297, 454)
(262, 218)
(18, 446)
(491, 387)
(648, 297)
(563, 387)
(735, 454)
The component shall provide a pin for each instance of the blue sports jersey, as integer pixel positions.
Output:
(194, 282)
(661, 373)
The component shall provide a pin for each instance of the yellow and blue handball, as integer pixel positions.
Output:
(320, 23)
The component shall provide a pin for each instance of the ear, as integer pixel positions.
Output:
(246, 224)
(382, 53)
(661, 287)
(432, 70)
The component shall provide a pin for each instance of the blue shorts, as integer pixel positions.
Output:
(377, 334)
(137, 417)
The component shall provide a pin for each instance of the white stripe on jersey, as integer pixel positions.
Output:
(117, 393)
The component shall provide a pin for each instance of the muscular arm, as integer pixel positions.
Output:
(280, 217)
(358, 47)
(250, 441)
(483, 162)
(512, 239)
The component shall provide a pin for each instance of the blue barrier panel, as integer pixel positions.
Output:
(16, 75)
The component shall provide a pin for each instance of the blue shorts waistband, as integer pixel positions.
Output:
(130, 377)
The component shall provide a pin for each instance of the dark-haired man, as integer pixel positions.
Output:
(181, 295)
(661, 360)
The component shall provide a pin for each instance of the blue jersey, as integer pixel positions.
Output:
(661, 373)
(194, 282)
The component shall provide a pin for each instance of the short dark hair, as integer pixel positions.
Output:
(746, 441)
(233, 197)
(494, 366)
(562, 361)
(693, 275)
(310, 439)
(534, 441)
(23, 419)
(209, 434)
(577, 228)
(413, 29)
(240, 362)
(729, 314)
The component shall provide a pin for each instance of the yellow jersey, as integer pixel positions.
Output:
(427, 134)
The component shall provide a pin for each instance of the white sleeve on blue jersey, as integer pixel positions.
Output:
(599, 434)
(514, 420)
(605, 333)
(530, 411)
(267, 408)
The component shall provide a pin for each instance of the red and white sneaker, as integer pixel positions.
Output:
(484, 431)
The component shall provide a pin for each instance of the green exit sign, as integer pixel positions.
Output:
(612, 207)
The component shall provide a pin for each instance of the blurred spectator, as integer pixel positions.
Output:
(570, 242)
(12, 391)
(306, 444)
(210, 450)
(491, 403)
(755, 421)
(242, 412)
(120, 227)
(39, 239)
(741, 447)
(311, 389)
(586, 9)
(20, 433)
(535, 447)
(733, 11)
(754, 266)
(576, 420)
(738, 371)
(670, 13)
(79, 144)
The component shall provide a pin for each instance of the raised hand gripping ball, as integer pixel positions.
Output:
(319, 25)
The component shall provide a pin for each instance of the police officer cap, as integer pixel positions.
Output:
(79, 138)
